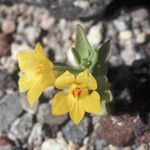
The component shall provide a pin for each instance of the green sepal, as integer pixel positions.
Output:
(103, 108)
(61, 67)
(104, 88)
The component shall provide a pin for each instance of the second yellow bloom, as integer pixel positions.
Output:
(79, 95)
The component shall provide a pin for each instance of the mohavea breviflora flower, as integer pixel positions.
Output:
(78, 96)
(37, 73)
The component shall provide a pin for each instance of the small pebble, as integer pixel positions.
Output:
(8, 26)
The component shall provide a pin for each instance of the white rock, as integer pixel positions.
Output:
(94, 35)
(129, 54)
(35, 138)
(82, 3)
(54, 144)
(140, 38)
(143, 147)
(16, 48)
(125, 35)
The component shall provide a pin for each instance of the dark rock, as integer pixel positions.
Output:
(10, 108)
(76, 133)
(6, 82)
(4, 45)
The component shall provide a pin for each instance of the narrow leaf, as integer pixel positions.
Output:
(100, 67)
(103, 52)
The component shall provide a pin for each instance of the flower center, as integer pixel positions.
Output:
(38, 69)
(76, 92)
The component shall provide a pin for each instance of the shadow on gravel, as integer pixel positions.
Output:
(131, 89)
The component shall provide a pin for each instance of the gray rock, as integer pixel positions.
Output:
(120, 25)
(5, 147)
(21, 128)
(10, 108)
(44, 115)
(140, 14)
(100, 144)
(26, 106)
(129, 54)
(76, 133)
(35, 138)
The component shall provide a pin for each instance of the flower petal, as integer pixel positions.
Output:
(48, 76)
(92, 103)
(77, 110)
(60, 104)
(86, 79)
(40, 56)
(35, 91)
(27, 61)
(25, 82)
(65, 80)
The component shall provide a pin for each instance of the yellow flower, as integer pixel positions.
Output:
(37, 73)
(78, 97)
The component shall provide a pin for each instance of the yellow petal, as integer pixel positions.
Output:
(27, 61)
(48, 76)
(35, 91)
(40, 56)
(87, 80)
(65, 80)
(25, 82)
(60, 104)
(77, 110)
(92, 103)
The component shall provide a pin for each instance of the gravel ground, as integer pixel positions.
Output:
(24, 23)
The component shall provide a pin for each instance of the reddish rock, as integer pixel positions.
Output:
(123, 130)
(4, 45)
(116, 130)
(3, 141)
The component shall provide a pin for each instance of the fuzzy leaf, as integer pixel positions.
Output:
(81, 43)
